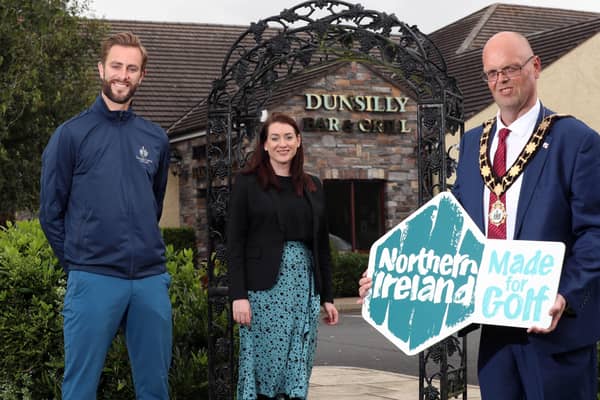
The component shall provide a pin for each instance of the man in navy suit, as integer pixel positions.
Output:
(547, 190)
(551, 193)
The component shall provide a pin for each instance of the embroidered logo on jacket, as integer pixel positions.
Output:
(143, 156)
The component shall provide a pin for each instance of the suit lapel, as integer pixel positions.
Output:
(531, 176)
(479, 211)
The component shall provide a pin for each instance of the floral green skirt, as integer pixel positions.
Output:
(277, 350)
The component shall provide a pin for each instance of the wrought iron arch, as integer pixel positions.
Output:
(277, 49)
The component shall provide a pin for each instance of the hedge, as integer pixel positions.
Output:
(346, 269)
(32, 289)
(180, 238)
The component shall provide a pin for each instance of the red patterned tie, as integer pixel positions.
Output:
(499, 231)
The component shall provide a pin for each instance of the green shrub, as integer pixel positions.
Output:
(180, 238)
(32, 290)
(346, 269)
(188, 378)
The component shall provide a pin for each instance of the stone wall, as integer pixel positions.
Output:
(390, 157)
(192, 195)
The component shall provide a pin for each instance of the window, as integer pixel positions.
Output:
(355, 211)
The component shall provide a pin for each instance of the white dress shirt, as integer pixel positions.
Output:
(520, 132)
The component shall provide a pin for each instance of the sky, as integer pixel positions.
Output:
(428, 15)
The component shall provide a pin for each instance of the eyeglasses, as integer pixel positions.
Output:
(510, 71)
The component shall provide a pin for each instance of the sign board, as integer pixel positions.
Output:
(435, 273)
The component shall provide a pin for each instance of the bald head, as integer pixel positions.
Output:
(514, 69)
(507, 40)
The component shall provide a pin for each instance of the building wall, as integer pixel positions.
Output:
(171, 209)
(390, 157)
(571, 85)
(191, 184)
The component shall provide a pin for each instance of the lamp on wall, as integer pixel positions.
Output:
(175, 161)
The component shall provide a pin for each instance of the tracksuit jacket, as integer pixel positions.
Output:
(104, 175)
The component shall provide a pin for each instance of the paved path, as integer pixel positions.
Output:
(350, 383)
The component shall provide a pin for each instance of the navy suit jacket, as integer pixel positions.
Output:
(559, 201)
(255, 239)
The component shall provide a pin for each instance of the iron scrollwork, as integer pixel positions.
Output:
(445, 363)
(267, 55)
(220, 324)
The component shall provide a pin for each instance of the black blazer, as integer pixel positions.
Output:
(255, 239)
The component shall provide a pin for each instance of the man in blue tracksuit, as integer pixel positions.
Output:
(104, 174)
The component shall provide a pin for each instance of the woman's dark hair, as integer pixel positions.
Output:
(260, 165)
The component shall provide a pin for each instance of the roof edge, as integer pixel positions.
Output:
(466, 44)
(175, 125)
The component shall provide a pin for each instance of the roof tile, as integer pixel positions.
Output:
(185, 58)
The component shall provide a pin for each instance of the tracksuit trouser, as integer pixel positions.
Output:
(95, 307)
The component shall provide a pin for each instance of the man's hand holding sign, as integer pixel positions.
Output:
(517, 284)
(435, 273)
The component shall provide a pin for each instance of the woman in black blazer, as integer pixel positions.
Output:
(279, 265)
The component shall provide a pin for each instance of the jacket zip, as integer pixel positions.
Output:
(124, 148)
